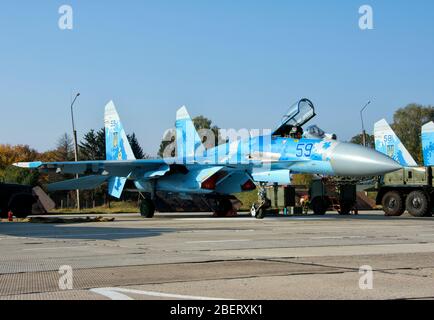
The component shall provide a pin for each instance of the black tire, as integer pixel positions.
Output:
(21, 204)
(224, 205)
(417, 204)
(261, 213)
(319, 206)
(393, 204)
(345, 209)
(147, 209)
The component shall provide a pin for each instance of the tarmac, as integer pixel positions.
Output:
(195, 256)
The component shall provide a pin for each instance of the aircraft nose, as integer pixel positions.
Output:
(353, 160)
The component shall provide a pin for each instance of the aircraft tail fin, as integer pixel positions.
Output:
(187, 138)
(428, 143)
(116, 141)
(388, 143)
(117, 146)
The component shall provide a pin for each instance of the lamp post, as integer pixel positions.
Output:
(74, 132)
(363, 124)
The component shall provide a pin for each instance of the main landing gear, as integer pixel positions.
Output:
(147, 208)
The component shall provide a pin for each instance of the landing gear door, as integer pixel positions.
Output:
(298, 115)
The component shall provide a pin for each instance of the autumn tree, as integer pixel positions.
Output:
(65, 148)
(20, 153)
(370, 140)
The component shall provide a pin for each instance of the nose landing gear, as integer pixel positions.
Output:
(259, 210)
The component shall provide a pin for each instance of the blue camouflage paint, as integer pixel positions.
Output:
(231, 164)
(388, 143)
(428, 144)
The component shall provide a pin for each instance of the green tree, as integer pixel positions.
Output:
(92, 146)
(135, 146)
(370, 140)
(407, 125)
(20, 176)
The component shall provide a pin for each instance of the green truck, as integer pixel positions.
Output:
(409, 189)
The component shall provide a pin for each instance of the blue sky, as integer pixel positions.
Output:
(240, 63)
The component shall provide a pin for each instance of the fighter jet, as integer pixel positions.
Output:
(236, 166)
(388, 143)
(428, 144)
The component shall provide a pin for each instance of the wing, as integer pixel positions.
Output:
(96, 173)
(121, 168)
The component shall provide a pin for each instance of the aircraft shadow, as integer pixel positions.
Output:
(57, 231)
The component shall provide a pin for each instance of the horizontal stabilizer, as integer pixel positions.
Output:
(388, 143)
(428, 144)
(84, 183)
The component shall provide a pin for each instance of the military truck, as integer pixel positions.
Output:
(409, 189)
(332, 194)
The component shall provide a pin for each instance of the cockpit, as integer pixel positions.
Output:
(298, 115)
(314, 132)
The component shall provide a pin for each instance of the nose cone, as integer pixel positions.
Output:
(353, 160)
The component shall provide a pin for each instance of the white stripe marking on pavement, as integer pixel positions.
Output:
(54, 248)
(218, 241)
(117, 294)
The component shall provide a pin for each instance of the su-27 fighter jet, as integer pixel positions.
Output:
(221, 171)
(388, 143)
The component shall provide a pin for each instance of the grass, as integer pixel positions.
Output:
(115, 207)
(247, 198)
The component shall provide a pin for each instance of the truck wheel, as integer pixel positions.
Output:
(393, 204)
(147, 209)
(345, 209)
(417, 204)
(319, 206)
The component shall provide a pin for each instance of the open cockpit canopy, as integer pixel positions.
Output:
(298, 115)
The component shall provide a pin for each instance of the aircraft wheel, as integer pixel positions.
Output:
(319, 206)
(417, 204)
(253, 210)
(393, 204)
(260, 211)
(147, 209)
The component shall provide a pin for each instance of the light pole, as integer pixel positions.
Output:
(363, 124)
(74, 132)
